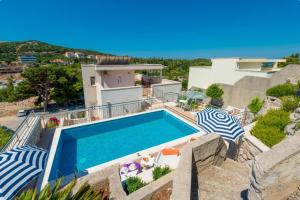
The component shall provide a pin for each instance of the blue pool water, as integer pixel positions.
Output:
(90, 145)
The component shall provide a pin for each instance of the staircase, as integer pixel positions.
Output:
(229, 182)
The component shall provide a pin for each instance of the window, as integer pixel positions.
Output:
(119, 79)
(92, 79)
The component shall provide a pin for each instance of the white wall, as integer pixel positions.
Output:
(113, 79)
(119, 95)
(222, 71)
(168, 91)
(90, 95)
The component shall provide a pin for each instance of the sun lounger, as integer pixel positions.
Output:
(169, 157)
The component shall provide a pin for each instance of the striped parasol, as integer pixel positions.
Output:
(219, 122)
(18, 167)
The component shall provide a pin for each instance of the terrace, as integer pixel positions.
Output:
(114, 80)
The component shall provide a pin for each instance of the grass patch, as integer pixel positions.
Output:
(160, 171)
(133, 184)
(270, 128)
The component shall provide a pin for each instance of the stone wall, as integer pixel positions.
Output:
(247, 151)
(276, 173)
(196, 156)
(153, 191)
(12, 108)
(241, 93)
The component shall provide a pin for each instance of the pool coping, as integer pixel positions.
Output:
(120, 160)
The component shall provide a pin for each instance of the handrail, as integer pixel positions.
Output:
(17, 133)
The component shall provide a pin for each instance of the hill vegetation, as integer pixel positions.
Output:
(9, 51)
(292, 59)
(176, 69)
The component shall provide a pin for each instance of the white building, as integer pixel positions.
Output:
(230, 70)
(70, 54)
(113, 83)
(27, 59)
(79, 55)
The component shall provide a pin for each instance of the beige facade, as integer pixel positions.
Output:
(112, 83)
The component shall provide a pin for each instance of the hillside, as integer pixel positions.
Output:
(9, 51)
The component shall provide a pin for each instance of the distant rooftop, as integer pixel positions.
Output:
(125, 67)
(112, 60)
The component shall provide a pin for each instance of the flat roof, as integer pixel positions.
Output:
(251, 59)
(261, 60)
(126, 67)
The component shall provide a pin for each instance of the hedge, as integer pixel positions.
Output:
(270, 128)
(286, 89)
(290, 103)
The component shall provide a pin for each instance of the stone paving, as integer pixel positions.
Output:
(227, 182)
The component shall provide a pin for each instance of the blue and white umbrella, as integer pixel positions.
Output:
(18, 167)
(219, 122)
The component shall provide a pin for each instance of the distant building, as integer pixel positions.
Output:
(230, 70)
(70, 54)
(91, 57)
(27, 59)
(79, 55)
(59, 61)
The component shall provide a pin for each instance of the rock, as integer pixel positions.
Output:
(290, 129)
(297, 114)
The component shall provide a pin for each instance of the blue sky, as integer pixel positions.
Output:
(167, 28)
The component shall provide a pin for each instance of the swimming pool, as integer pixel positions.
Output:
(86, 146)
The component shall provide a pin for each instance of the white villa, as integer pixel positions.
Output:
(230, 70)
(113, 81)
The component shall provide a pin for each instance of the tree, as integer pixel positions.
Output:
(68, 86)
(51, 82)
(215, 92)
(7, 94)
(42, 79)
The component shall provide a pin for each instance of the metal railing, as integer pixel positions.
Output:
(96, 113)
(27, 133)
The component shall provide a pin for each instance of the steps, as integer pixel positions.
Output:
(228, 182)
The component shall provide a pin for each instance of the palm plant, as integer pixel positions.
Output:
(61, 193)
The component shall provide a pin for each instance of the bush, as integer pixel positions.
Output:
(5, 135)
(289, 103)
(61, 193)
(255, 105)
(267, 134)
(286, 89)
(214, 91)
(270, 128)
(53, 122)
(160, 171)
(133, 184)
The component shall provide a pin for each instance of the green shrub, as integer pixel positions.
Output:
(61, 193)
(214, 91)
(133, 184)
(275, 118)
(160, 171)
(255, 105)
(270, 128)
(5, 135)
(289, 103)
(267, 134)
(286, 89)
